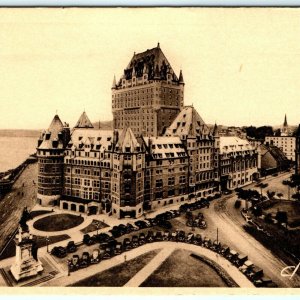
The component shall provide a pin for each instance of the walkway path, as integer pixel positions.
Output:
(145, 272)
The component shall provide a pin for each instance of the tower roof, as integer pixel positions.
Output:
(127, 141)
(84, 122)
(188, 123)
(215, 130)
(285, 124)
(150, 61)
(180, 80)
(53, 137)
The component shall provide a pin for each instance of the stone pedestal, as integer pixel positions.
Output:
(26, 261)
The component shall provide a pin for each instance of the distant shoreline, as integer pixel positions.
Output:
(19, 133)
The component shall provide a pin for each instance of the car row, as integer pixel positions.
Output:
(193, 206)
(61, 252)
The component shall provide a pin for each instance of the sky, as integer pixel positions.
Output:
(240, 66)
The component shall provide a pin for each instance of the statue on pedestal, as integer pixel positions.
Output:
(26, 263)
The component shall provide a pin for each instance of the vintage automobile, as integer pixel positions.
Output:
(216, 246)
(166, 235)
(181, 236)
(152, 221)
(150, 236)
(88, 240)
(158, 236)
(127, 245)
(108, 253)
(71, 247)
(255, 273)
(59, 251)
(142, 239)
(165, 224)
(140, 224)
(174, 236)
(224, 250)
(95, 258)
(102, 237)
(116, 231)
(175, 212)
(85, 260)
(148, 223)
(189, 238)
(118, 248)
(248, 264)
(239, 261)
(123, 229)
(232, 255)
(206, 242)
(197, 239)
(74, 263)
(135, 241)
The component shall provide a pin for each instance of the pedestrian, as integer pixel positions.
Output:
(125, 257)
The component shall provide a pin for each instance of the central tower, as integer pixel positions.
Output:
(148, 96)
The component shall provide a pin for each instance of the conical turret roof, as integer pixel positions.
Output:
(84, 122)
(127, 140)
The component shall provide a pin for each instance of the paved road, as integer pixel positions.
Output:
(12, 205)
(223, 215)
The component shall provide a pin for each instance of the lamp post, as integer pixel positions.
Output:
(47, 243)
(68, 262)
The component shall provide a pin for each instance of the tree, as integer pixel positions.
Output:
(257, 210)
(268, 218)
(279, 195)
(270, 194)
(282, 217)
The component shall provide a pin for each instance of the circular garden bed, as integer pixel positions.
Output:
(57, 222)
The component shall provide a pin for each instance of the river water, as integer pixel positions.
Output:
(14, 150)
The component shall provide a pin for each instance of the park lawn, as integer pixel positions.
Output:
(291, 207)
(58, 222)
(93, 226)
(118, 275)
(182, 270)
(37, 213)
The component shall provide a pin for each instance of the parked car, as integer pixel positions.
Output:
(227, 192)
(216, 246)
(115, 231)
(108, 253)
(150, 236)
(71, 247)
(152, 221)
(148, 223)
(232, 255)
(140, 224)
(142, 239)
(189, 238)
(127, 245)
(132, 227)
(123, 229)
(176, 212)
(197, 239)
(95, 257)
(239, 261)
(74, 263)
(207, 242)
(181, 236)
(59, 252)
(166, 235)
(135, 241)
(158, 236)
(247, 265)
(255, 273)
(102, 237)
(118, 248)
(88, 240)
(224, 250)
(174, 236)
(85, 260)
(165, 224)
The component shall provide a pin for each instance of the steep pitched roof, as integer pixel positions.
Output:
(188, 123)
(153, 62)
(285, 124)
(234, 144)
(127, 141)
(215, 131)
(53, 137)
(84, 122)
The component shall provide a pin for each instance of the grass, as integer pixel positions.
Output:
(58, 222)
(10, 250)
(182, 270)
(93, 226)
(291, 207)
(118, 275)
(37, 213)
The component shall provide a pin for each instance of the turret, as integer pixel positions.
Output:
(114, 84)
(180, 80)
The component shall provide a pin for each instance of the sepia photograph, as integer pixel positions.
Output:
(150, 148)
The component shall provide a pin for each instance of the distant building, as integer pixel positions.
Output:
(287, 144)
(297, 153)
(285, 129)
(237, 162)
(273, 160)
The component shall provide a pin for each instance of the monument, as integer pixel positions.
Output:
(26, 260)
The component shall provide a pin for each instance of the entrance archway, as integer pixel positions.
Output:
(65, 205)
(73, 207)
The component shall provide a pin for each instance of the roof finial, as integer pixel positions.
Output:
(56, 112)
(158, 45)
